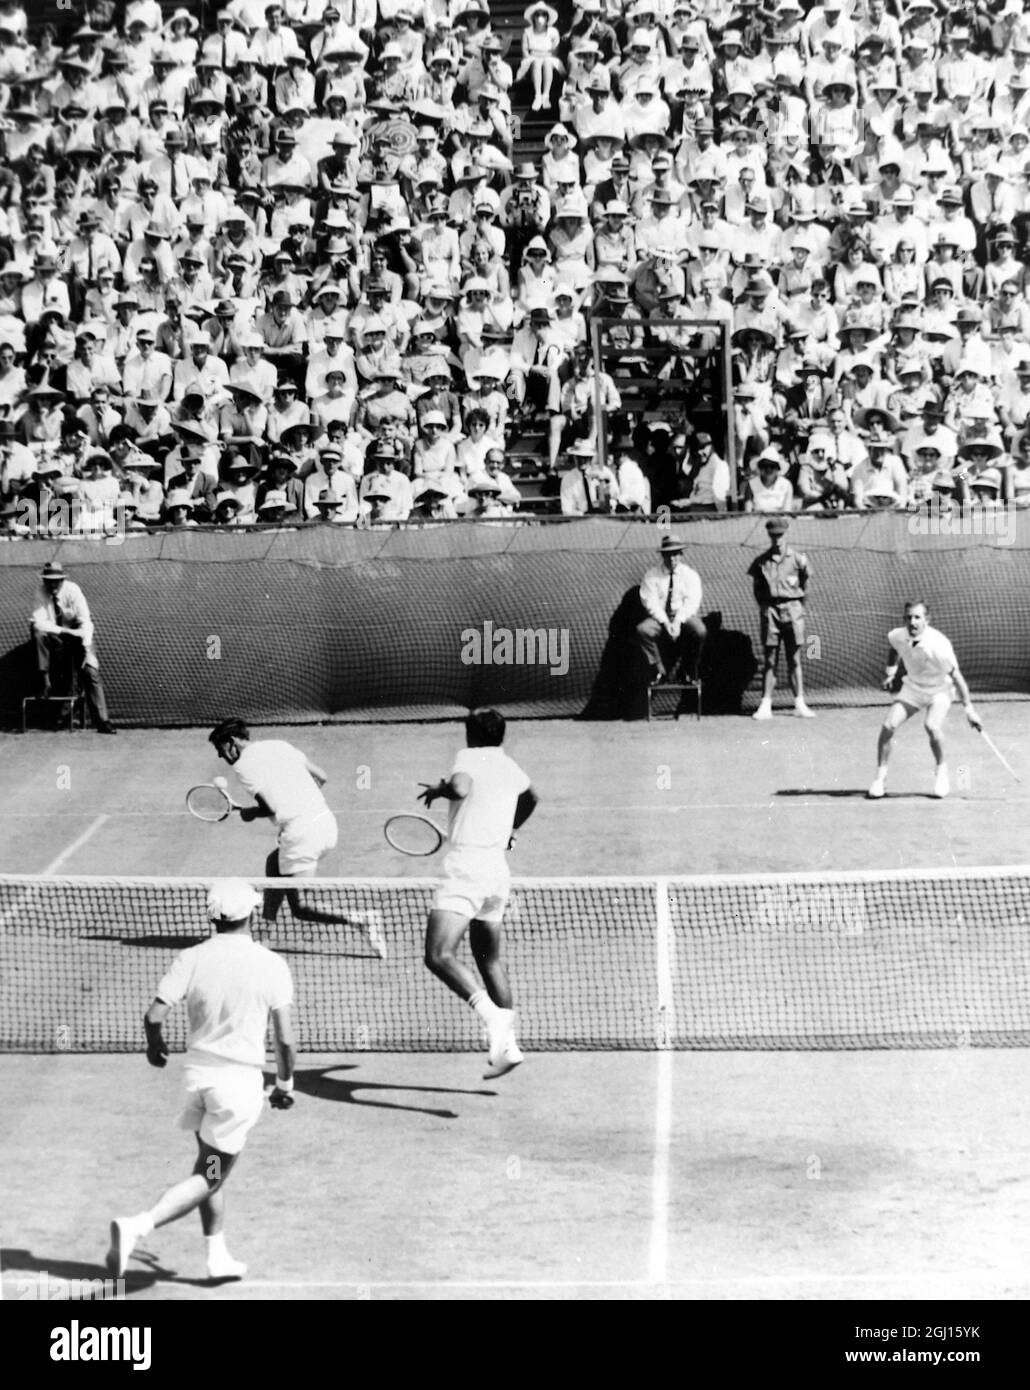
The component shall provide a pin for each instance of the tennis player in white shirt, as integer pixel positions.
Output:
(287, 787)
(922, 670)
(232, 985)
(490, 798)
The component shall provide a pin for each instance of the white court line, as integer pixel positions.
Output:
(13, 911)
(702, 1283)
(658, 1254)
(67, 853)
(793, 803)
(665, 1032)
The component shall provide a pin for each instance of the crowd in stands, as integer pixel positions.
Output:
(292, 266)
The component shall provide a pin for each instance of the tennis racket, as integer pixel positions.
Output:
(415, 835)
(210, 801)
(1000, 756)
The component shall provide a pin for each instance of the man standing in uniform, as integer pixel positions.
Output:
(780, 577)
(61, 624)
(231, 985)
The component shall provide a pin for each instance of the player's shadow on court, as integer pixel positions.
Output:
(24, 1265)
(838, 792)
(324, 1084)
(857, 793)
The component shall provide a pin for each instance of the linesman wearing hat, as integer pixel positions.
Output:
(61, 623)
(672, 634)
(780, 577)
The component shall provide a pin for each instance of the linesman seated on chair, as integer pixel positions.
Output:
(672, 636)
(63, 628)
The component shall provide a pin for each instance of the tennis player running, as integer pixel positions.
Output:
(231, 985)
(287, 786)
(490, 798)
(922, 670)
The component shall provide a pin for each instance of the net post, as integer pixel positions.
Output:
(665, 1021)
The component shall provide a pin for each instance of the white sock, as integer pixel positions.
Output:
(483, 1005)
(216, 1247)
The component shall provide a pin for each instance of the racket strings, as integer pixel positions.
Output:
(413, 834)
(208, 803)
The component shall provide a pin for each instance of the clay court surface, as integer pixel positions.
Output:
(786, 1175)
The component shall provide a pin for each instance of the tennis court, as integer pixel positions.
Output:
(786, 1174)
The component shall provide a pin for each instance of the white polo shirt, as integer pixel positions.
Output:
(278, 773)
(229, 983)
(483, 819)
(929, 660)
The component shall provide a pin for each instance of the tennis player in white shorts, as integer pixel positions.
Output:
(287, 786)
(490, 797)
(923, 672)
(232, 985)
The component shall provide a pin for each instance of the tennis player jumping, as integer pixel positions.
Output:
(231, 985)
(287, 786)
(490, 798)
(922, 670)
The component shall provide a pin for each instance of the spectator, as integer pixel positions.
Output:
(587, 485)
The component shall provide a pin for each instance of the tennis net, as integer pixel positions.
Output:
(846, 960)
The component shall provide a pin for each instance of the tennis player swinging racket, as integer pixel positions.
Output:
(490, 798)
(287, 787)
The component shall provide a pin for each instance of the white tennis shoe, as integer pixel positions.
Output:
(504, 1054)
(802, 711)
(941, 783)
(764, 711)
(225, 1267)
(504, 1061)
(878, 789)
(125, 1232)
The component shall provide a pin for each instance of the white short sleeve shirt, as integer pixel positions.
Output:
(278, 773)
(483, 819)
(929, 660)
(229, 983)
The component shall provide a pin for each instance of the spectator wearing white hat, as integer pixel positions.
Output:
(991, 199)
(540, 44)
(768, 489)
(898, 223)
(336, 400)
(332, 475)
(202, 369)
(829, 18)
(147, 371)
(587, 485)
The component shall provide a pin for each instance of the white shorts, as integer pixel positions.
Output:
(923, 699)
(302, 843)
(223, 1104)
(475, 884)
